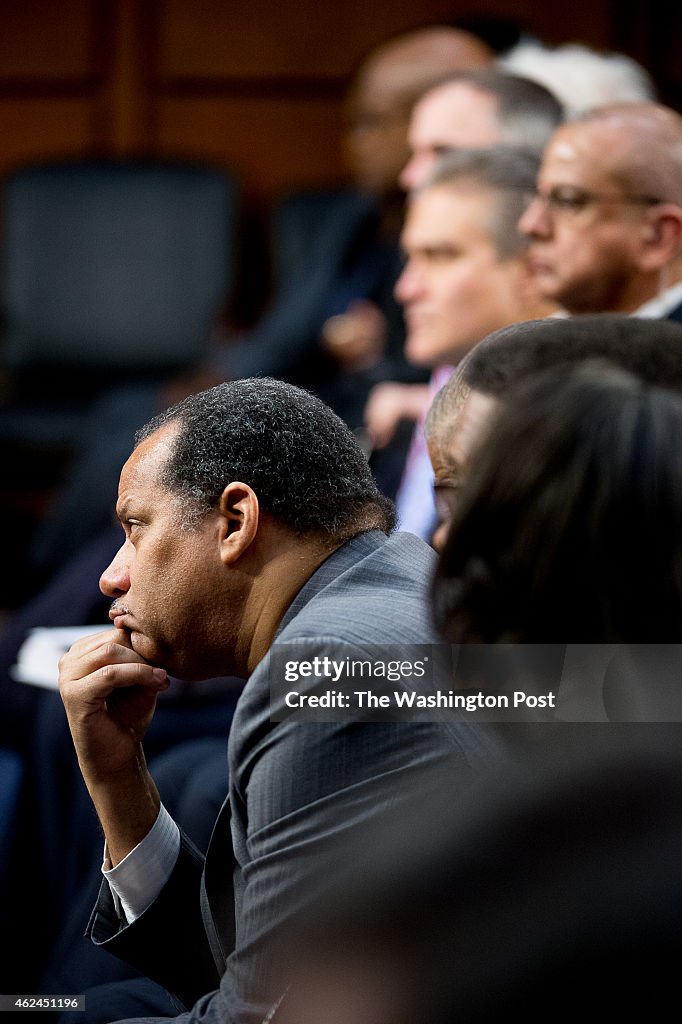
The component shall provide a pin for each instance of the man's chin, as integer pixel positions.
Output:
(147, 649)
(422, 352)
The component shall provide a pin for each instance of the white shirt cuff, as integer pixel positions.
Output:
(139, 878)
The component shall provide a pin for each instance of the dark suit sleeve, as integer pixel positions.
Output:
(300, 792)
(167, 942)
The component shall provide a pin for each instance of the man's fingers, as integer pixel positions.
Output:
(98, 684)
(82, 659)
(93, 640)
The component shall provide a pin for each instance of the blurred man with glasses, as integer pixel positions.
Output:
(605, 226)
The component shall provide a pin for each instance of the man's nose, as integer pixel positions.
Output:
(115, 580)
(535, 221)
(407, 285)
(410, 174)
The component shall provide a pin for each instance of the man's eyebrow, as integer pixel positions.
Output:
(122, 509)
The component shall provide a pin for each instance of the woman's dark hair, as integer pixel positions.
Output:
(569, 528)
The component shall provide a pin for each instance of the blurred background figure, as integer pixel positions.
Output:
(475, 110)
(383, 94)
(548, 882)
(572, 467)
(605, 226)
(350, 260)
(460, 415)
(479, 109)
(581, 77)
(465, 276)
(356, 242)
(485, 107)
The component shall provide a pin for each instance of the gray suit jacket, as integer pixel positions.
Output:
(296, 791)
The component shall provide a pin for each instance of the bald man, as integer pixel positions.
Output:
(605, 227)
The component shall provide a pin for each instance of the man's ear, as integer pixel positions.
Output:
(239, 519)
(662, 239)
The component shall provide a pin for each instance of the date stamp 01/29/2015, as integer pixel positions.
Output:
(17, 1003)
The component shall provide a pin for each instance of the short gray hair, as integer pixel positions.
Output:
(527, 113)
(508, 172)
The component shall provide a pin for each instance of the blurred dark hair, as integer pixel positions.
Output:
(650, 349)
(569, 528)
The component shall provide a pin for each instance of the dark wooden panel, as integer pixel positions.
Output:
(43, 40)
(39, 129)
(252, 85)
(272, 144)
(213, 39)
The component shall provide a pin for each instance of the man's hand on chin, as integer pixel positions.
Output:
(109, 693)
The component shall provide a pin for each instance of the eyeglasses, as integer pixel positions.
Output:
(570, 200)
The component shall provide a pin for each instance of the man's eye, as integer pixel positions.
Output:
(441, 255)
(568, 200)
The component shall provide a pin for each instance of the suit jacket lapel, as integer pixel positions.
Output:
(218, 880)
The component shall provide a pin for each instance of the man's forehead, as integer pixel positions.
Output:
(437, 214)
(460, 93)
(145, 463)
(459, 113)
(586, 151)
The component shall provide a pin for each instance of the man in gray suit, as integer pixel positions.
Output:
(251, 520)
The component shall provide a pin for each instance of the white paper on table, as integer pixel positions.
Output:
(38, 657)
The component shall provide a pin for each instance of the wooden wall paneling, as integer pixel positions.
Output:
(211, 39)
(552, 23)
(44, 42)
(248, 84)
(49, 77)
(273, 144)
(243, 38)
(35, 129)
(123, 116)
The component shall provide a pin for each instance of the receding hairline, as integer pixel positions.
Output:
(514, 97)
(172, 427)
(283, 454)
(453, 82)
